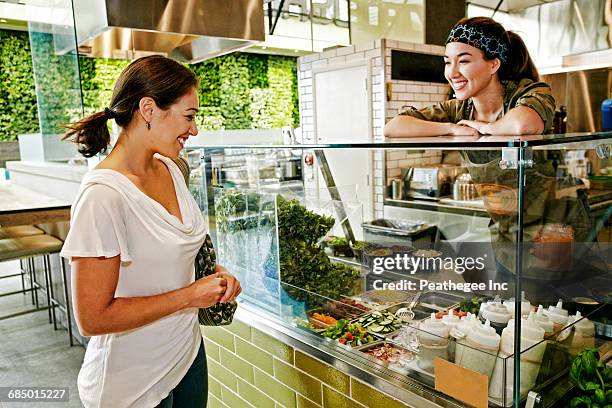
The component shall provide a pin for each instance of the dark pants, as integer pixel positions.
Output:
(192, 391)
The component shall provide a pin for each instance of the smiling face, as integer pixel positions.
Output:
(175, 125)
(467, 70)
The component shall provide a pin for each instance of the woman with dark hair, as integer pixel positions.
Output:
(134, 235)
(495, 85)
(497, 92)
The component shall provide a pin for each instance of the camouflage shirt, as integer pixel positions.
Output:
(535, 95)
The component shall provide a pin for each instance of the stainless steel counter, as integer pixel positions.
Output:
(446, 205)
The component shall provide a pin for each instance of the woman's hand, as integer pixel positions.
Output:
(208, 291)
(464, 129)
(233, 285)
(482, 128)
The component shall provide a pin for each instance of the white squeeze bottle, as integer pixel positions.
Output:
(544, 322)
(497, 314)
(525, 306)
(587, 328)
(433, 342)
(558, 315)
(481, 347)
(451, 321)
(584, 334)
(488, 302)
(460, 332)
(531, 334)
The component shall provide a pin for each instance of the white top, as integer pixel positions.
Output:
(111, 216)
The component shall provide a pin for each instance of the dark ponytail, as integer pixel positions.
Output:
(90, 134)
(520, 66)
(160, 78)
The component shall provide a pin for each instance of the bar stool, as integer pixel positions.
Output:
(27, 248)
(18, 232)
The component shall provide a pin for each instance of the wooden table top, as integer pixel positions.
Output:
(22, 206)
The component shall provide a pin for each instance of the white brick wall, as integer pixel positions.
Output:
(418, 94)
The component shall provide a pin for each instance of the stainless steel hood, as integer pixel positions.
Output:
(186, 30)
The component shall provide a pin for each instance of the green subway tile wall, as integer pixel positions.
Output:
(248, 368)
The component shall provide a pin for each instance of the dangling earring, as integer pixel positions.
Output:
(148, 125)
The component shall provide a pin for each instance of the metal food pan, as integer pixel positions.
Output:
(344, 310)
(396, 227)
(363, 349)
(440, 300)
(373, 333)
(319, 324)
(387, 297)
(603, 329)
(419, 307)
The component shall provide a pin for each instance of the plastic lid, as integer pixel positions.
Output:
(433, 326)
(543, 320)
(583, 324)
(484, 335)
(565, 333)
(530, 329)
(496, 313)
(557, 313)
(451, 318)
(525, 305)
(467, 322)
(488, 302)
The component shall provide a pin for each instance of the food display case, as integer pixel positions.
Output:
(500, 317)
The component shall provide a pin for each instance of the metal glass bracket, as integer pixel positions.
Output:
(603, 151)
(533, 399)
(510, 158)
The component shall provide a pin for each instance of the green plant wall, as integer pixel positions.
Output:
(237, 91)
(18, 113)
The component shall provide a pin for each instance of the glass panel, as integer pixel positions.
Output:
(441, 242)
(306, 244)
(56, 73)
(451, 142)
(247, 243)
(568, 266)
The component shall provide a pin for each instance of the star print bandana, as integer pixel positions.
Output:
(492, 46)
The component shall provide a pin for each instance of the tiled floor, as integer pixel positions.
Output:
(32, 354)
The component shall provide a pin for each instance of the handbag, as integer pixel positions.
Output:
(220, 314)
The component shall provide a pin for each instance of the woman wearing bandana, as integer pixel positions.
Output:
(495, 85)
(497, 92)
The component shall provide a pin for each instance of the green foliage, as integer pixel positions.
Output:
(210, 118)
(252, 91)
(258, 69)
(236, 91)
(281, 71)
(98, 77)
(209, 75)
(18, 113)
(593, 379)
(261, 108)
(302, 263)
(57, 81)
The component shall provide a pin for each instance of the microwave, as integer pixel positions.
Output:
(433, 181)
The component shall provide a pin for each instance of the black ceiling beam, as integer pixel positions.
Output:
(278, 13)
(497, 8)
